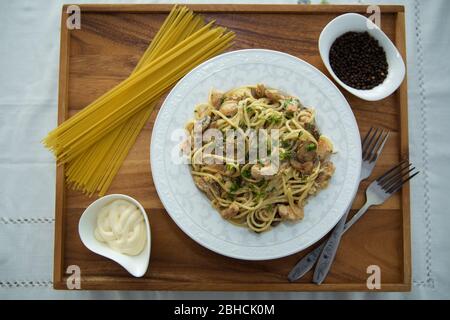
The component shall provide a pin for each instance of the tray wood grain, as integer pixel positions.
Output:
(104, 52)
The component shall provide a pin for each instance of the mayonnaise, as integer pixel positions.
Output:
(121, 225)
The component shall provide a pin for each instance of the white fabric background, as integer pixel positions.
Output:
(29, 57)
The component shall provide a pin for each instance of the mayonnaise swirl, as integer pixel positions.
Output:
(121, 225)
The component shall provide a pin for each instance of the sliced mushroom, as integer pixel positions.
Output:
(290, 213)
(305, 167)
(259, 91)
(306, 151)
(273, 95)
(229, 108)
(230, 212)
(312, 128)
(256, 172)
(216, 98)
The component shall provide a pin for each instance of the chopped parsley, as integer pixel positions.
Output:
(274, 119)
(286, 155)
(246, 173)
(234, 187)
(259, 195)
(287, 102)
(261, 183)
(230, 196)
(230, 166)
(285, 144)
(311, 147)
(289, 115)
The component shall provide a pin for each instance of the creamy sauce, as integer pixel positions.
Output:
(121, 225)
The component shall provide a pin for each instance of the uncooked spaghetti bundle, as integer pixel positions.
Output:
(93, 143)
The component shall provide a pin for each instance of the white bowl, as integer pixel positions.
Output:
(356, 22)
(136, 265)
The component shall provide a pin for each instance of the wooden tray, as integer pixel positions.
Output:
(105, 50)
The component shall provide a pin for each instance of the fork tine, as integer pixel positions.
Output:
(373, 144)
(366, 137)
(368, 143)
(380, 149)
(399, 177)
(379, 144)
(397, 187)
(393, 176)
(388, 173)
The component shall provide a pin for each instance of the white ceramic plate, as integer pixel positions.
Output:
(191, 210)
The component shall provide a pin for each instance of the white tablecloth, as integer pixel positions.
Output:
(29, 56)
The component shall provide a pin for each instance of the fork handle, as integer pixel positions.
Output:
(305, 264)
(329, 251)
(357, 216)
(332, 244)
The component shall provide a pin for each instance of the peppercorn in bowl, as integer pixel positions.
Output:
(361, 58)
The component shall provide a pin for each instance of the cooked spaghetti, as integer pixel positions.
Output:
(257, 194)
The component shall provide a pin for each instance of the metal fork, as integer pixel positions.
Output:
(383, 188)
(377, 193)
(372, 146)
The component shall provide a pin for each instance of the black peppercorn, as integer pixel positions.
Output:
(358, 60)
